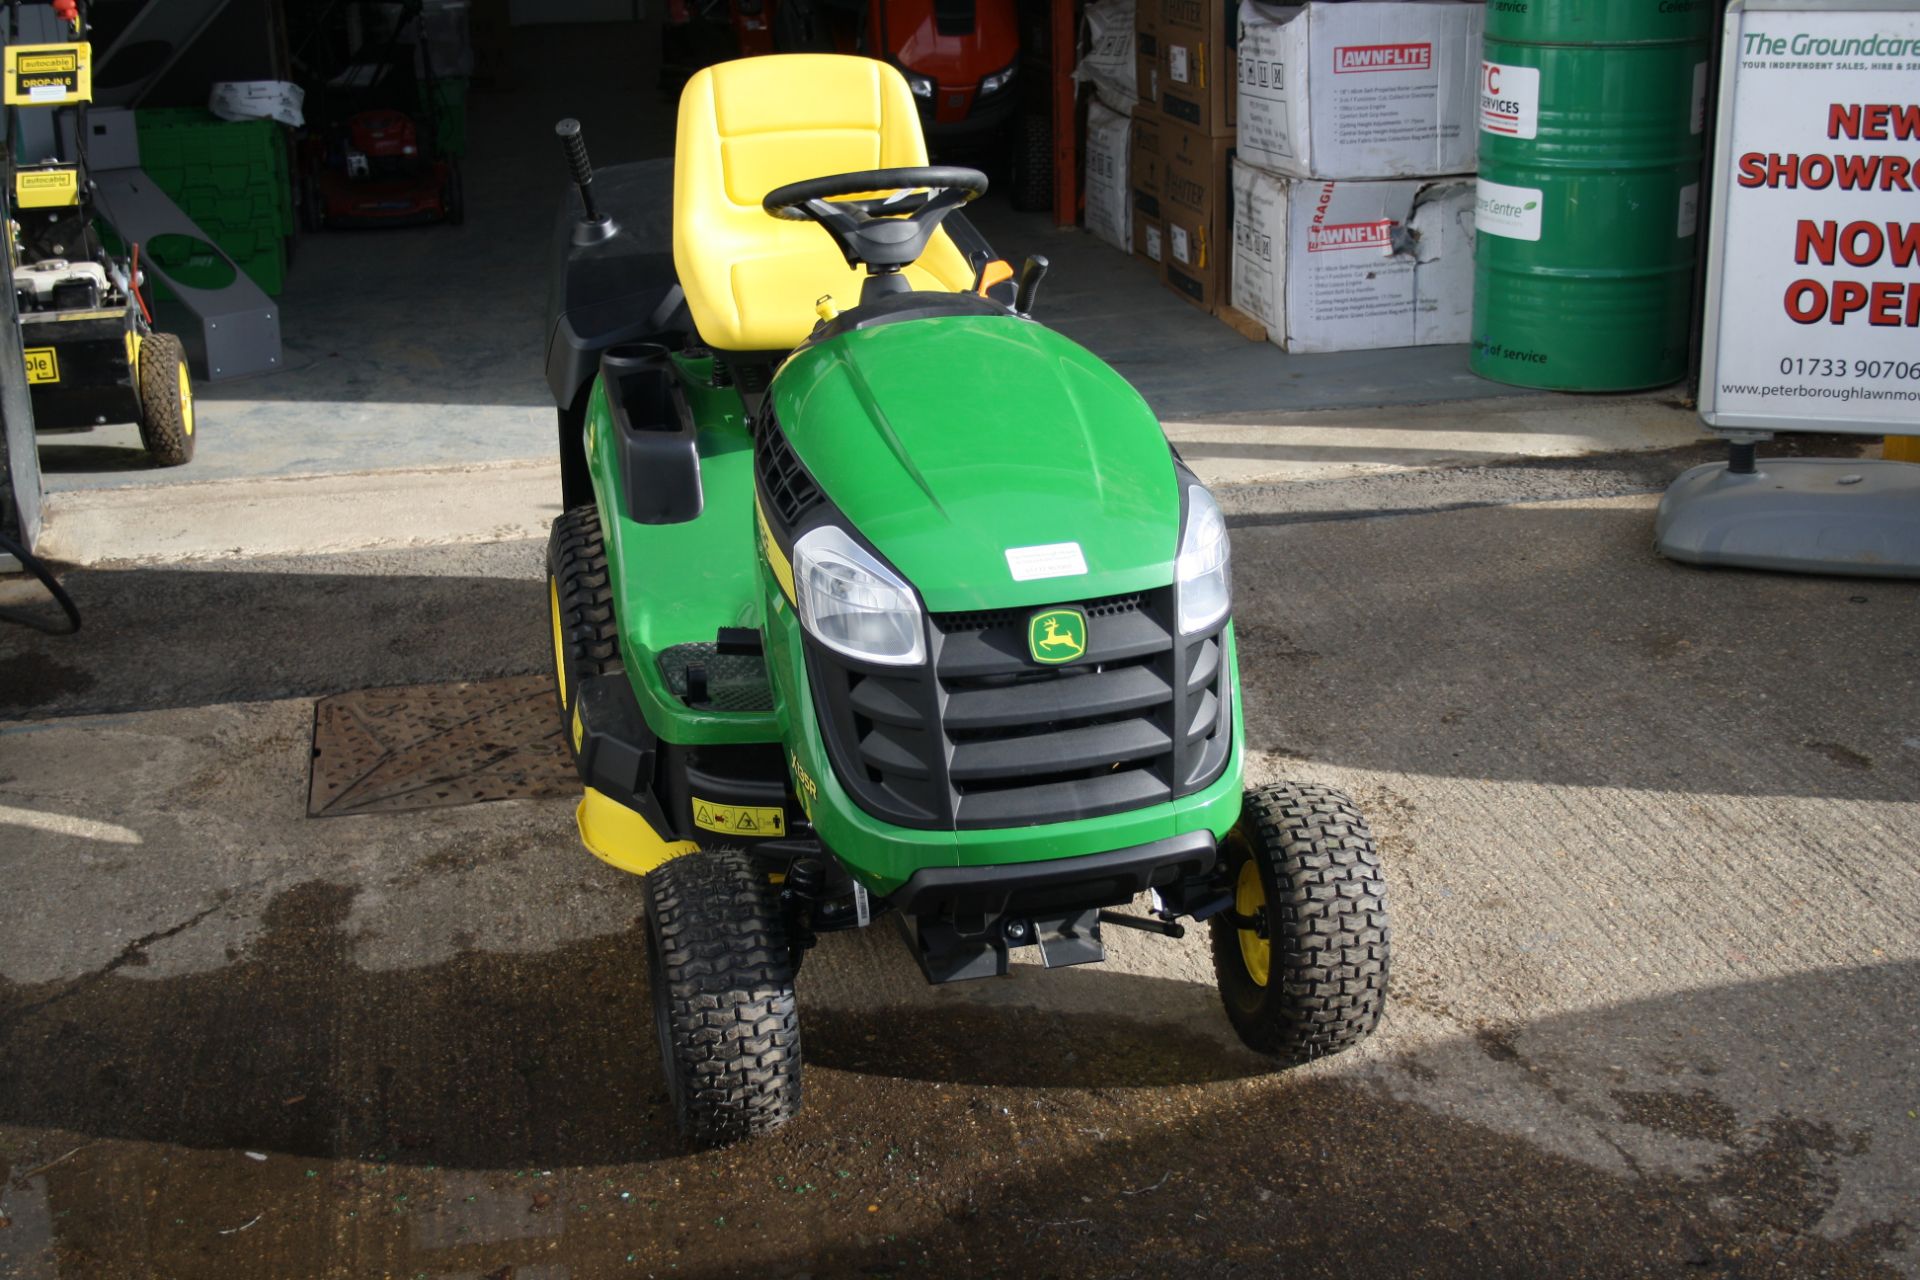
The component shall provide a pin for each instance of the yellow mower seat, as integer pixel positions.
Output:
(754, 124)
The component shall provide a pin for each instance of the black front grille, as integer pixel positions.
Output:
(788, 487)
(987, 737)
(954, 17)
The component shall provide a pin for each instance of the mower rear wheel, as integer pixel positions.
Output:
(453, 197)
(166, 400)
(1032, 162)
(1302, 957)
(586, 639)
(313, 208)
(723, 1006)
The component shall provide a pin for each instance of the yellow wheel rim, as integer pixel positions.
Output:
(559, 663)
(1249, 896)
(186, 399)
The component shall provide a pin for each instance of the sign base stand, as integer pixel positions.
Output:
(1857, 517)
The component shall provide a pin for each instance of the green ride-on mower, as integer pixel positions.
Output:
(874, 597)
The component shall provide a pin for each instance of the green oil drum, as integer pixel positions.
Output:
(1592, 119)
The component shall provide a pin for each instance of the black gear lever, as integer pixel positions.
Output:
(593, 226)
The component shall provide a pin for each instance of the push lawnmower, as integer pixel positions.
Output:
(873, 597)
(374, 163)
(376, 170)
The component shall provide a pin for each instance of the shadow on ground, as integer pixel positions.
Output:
(1543, 643)
(155, 638)
(507, 1110)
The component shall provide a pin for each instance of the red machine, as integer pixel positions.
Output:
(376, 171)
(960, 57)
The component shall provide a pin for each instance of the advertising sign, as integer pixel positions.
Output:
(1813, 272)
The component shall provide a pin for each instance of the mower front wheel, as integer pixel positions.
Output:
(166, 400)
(1302, 956)
(723, 1006)
(313, 208)
(1033, 162)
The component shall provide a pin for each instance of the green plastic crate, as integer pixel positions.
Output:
(226, 175)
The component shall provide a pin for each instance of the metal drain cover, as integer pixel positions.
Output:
(434, 746)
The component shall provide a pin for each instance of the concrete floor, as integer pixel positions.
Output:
(1649, 833)
(422, 347)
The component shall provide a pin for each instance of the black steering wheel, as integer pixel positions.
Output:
(883, 232)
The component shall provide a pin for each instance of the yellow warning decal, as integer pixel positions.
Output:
(738, 819)
(579, 730)
(48, 75)
(43, 364)
(46, 188)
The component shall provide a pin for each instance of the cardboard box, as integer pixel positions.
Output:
(1146, 52)
(1144, 165)
(1193, 69)
(1109, 197)
(1360, 90)
(1196, 203)
(1149, 239)
(1350, 266)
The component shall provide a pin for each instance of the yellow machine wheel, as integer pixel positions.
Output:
(166, 399)
(1302, 955)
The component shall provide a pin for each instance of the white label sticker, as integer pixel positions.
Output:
(1053, 560)
(1699, 97)
(1513, 212)
(1182, 244)
(1689, 221)
(1153, 243)
(47, 93)
(1510, 100)
(1177, 63)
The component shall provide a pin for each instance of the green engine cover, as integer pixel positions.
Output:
(949, 442)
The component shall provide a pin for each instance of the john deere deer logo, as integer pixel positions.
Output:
(1057, 636)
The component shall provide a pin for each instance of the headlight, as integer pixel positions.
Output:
(1202, 567)
(849, 601)
(998, 81)
(922, 86)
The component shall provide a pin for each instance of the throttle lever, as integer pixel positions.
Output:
(1032, 272)
(593, 226)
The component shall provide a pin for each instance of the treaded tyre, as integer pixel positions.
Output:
(586, 639)
(453, 196)
(166, 400)
(723, 1008)
(1032, 162)
(1302, 958)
